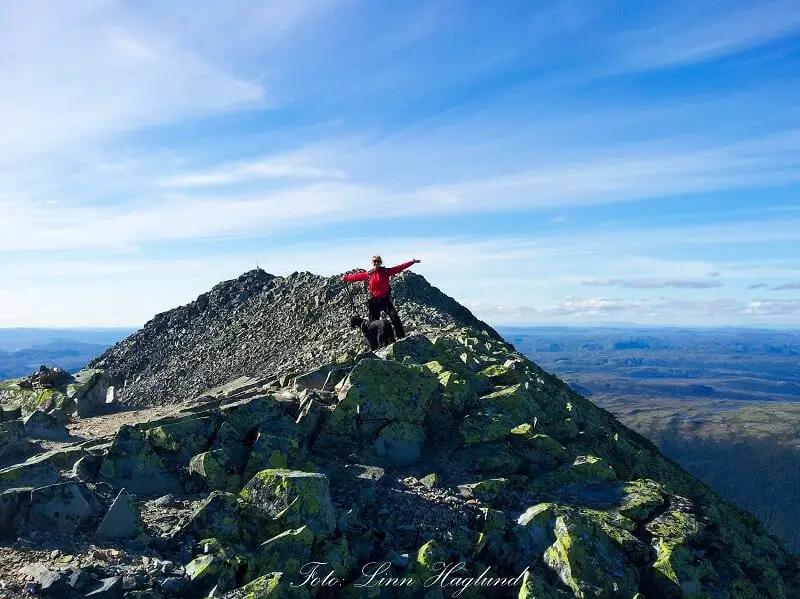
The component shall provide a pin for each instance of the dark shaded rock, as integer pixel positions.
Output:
(14, 507)
(41, 425)
(60, 508)
(122, 520)
(87, 467)
(133, 464)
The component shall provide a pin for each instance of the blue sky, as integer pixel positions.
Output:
(569, 162)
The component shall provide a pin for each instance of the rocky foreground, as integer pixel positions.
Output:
(444, 465)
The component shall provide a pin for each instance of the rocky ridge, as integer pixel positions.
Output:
(453, 449)
(260, 325)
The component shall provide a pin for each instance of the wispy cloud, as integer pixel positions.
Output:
(787, 286)
(757, 286)
(700, 32)
(653, 283)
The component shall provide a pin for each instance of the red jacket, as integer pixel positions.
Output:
(378, 278)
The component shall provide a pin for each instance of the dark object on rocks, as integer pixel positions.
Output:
(122, 520)
(378, 333)
(48, 378)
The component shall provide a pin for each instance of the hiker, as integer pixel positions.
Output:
(380, 292)
(379, 333)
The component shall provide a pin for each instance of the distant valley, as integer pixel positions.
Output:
(23, 350)
(724, 403)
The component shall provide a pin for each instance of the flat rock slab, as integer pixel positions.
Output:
(41, 425)
(122, 520)
(58, 508)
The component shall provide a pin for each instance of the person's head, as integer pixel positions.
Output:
(356, 321)
(377, 261)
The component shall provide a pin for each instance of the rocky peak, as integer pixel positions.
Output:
(261, 325)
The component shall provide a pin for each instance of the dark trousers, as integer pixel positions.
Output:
(376, 304)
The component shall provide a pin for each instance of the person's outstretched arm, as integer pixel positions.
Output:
(401, 267)
(356, 276)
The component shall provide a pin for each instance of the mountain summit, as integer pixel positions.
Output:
(444, 465)
(260, 325)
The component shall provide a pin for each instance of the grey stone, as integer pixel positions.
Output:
(107, 588)
(132, 463)
(59, 508)
(50, 582)
(12, 437)
(89, 392)
(174, 586)
(14, 507)
(122, 520)
(86, 468)
(79, 579)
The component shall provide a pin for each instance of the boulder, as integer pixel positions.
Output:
(41, 425)
(286, 552)
(400, 443)
(14, 507)
(207, 572)
(215, 471)
(588, 562)
(229, 440)
(59, 508)
(177, 442)
(270, 451)
(132, 463)
(12, 438)
(415, 348)
(377, 393)
(293, 498)
(89, 391)
(122, 521)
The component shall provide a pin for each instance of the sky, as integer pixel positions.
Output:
(570, 162)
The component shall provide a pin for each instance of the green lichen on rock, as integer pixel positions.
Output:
(215, 470)
(286, 552)
(378, 392)
(274, 586)
(504, 374)
(210, 571)
(515, 401)
(179, 441)
(293, 499)
(587, 561)
(456, 393)
(132, 463)
(486, 427)
(271, 451)
(642, 498)
(534, 528)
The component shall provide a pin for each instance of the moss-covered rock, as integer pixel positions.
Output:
(293, 498)
(274, 586)
(414, 348)
(378, 392)
(132, 463)
(642, 498)
(456, 393)
(486, 427)
(534, 529)
(215, 471)
(509, 373)
(209, 571)
(271, 451)
(515, 401)
(588, 562)
(589, 467)
(179, 441)
(286, 552)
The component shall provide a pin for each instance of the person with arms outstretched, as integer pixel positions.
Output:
(379, 290)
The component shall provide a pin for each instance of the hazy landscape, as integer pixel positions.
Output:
(23, 350)
(724, 403)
